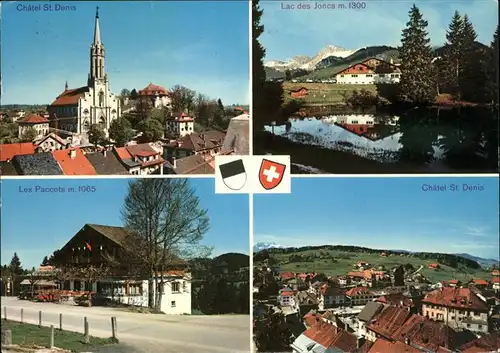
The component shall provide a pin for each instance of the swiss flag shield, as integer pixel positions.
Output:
(271, 174)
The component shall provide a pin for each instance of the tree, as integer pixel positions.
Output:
(96, 134)
(453, 55)
(474, 73)
(399, 276)
(152, 130)
(258, 69)
(417, 77)
(45, 261)
(182, 99)
(91, 274)
(166, 216)
(493, 69)
(125, 93)
(33, 277)
(121, 131)
(272, 334)
(133, 94)
(16, 271)
(29, 134)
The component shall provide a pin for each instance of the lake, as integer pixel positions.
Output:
(421, 140)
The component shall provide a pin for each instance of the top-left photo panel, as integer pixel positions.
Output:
(123, 88)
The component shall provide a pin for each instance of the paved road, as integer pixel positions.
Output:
(143, 333)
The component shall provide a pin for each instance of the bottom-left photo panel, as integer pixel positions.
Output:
(124, 265)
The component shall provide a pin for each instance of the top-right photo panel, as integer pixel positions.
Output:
(377, 87)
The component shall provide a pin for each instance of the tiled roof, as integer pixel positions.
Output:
(202, 140)
(384, 346)
(328, 335)
(37, 164)
(106, 164)
(356, 291)
(488, 343)
(389, 321)
(33, 119)
(70, 96)
(9, 150)
(456, 298)
(495, 280)
(142, 149)
(333, 291)
(296, 89)
(152, 89)
(287, 275)
(480, 282)
(426, 333)
(396, 299)
(312, 319)
(194, 164)
(123, 154)
(74, 162)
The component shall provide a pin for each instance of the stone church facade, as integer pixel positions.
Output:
(75, 110)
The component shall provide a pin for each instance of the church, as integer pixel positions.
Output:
(76, 109)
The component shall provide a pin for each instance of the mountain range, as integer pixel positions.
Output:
(330, 57)
(482, 261)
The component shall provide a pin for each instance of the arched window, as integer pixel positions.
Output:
(102, 122)
(86, 125)
(101, 98)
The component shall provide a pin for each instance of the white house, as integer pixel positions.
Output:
(180, 125)
(288, 298)
(51, 142)
(496, 283)
(157, 95)
(370, 71)
(75, 110)
(33, 122)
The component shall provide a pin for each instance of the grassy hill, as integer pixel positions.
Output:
(339, 260)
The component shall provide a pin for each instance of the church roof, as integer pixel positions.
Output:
(70, 96)
(152, 89)
(33, 119)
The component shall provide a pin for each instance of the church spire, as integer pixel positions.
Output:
(97, 32)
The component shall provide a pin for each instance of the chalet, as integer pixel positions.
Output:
(458, 307)
(117, 248)
(433, 266)
(36, 123)
(157, 95)
(479, 283)
(370, 71)
(208, 144)
(179, 125)
(298, 92)
(50, 143)
(140, 159)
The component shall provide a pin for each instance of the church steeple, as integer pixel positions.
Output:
(97, 32)
(97, 72)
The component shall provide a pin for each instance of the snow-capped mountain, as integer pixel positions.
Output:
(263, 246)
(309, 63)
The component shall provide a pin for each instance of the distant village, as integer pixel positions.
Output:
(89, 130)
(374, 309)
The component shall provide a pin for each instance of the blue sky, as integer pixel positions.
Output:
(203, 45)
(36, 224)
(383, 213)
(380, 23)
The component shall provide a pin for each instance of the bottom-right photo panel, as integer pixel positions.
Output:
(378, 265)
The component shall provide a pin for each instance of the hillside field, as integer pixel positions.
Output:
(324, 263)
(324, 93)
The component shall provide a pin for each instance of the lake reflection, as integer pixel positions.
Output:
(438, 140)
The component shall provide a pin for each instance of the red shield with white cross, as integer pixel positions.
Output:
(271, 174)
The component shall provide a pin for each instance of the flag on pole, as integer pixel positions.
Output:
(88, 246)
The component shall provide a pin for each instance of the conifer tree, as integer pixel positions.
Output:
(453, 56)
(493, 82)
(258, 70)
(417, 84)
